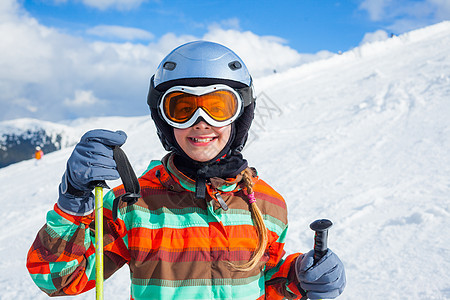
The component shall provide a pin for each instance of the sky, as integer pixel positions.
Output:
(64, 59)
(307, 26)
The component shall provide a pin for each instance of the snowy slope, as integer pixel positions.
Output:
(19, 137)
(25, 126)
(360, 138)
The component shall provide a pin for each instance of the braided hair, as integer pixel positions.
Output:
(258, 222)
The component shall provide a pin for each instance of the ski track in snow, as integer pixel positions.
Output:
(362, 139)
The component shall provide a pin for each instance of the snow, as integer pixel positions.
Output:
(27, 127)
(360, 138)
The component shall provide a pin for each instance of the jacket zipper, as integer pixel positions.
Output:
(221, 201)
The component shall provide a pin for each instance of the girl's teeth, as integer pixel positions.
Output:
(206, 140)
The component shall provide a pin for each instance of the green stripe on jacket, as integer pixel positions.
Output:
(221, 288)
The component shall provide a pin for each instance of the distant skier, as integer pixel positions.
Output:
(206, 226)
(38, 154)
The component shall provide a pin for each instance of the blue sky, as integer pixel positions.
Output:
(65, 59)
(307, 26)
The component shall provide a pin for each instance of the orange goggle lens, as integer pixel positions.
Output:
(220, 105)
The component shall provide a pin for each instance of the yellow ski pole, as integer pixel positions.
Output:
(99, 242)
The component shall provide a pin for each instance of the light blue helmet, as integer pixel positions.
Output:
(202, 63)
(202, 59)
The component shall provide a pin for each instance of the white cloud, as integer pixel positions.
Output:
(261, 54)
(406, 24)
(9, 9)
(232, 23)
(442, 9)
(27, 104)
(379, 35)
(404, 15)
(375, 8)
(120, 32)
(117, 4)
(82, 99)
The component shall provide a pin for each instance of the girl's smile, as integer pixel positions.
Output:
(202, 142)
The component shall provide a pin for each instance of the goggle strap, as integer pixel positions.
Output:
(247, 95)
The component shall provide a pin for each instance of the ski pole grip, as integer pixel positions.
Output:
(320, 238)
(99, 267)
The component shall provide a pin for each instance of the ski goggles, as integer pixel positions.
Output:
(219, 105)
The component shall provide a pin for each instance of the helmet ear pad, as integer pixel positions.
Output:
(242, 126)
(164, 131)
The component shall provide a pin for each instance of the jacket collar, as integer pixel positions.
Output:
(187, 183)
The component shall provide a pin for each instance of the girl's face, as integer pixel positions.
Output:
(202, 142)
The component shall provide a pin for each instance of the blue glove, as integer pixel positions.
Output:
(91, 161)
(324, 280)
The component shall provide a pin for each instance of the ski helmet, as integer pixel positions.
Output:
(202, 63)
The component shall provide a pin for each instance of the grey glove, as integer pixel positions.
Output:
(325, 279)
(91, 162)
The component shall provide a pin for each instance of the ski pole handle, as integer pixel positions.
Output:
(99, 242)
(320, 238)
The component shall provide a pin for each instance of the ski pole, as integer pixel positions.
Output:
(99, 242)
(320, 238)
(320, 241)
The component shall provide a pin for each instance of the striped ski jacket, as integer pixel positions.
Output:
(176, 246)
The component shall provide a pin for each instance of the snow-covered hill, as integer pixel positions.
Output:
(18, 139)
(360, 138)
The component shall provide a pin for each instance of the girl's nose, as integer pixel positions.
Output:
(202, 125)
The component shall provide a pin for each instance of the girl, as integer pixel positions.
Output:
(206, 226)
